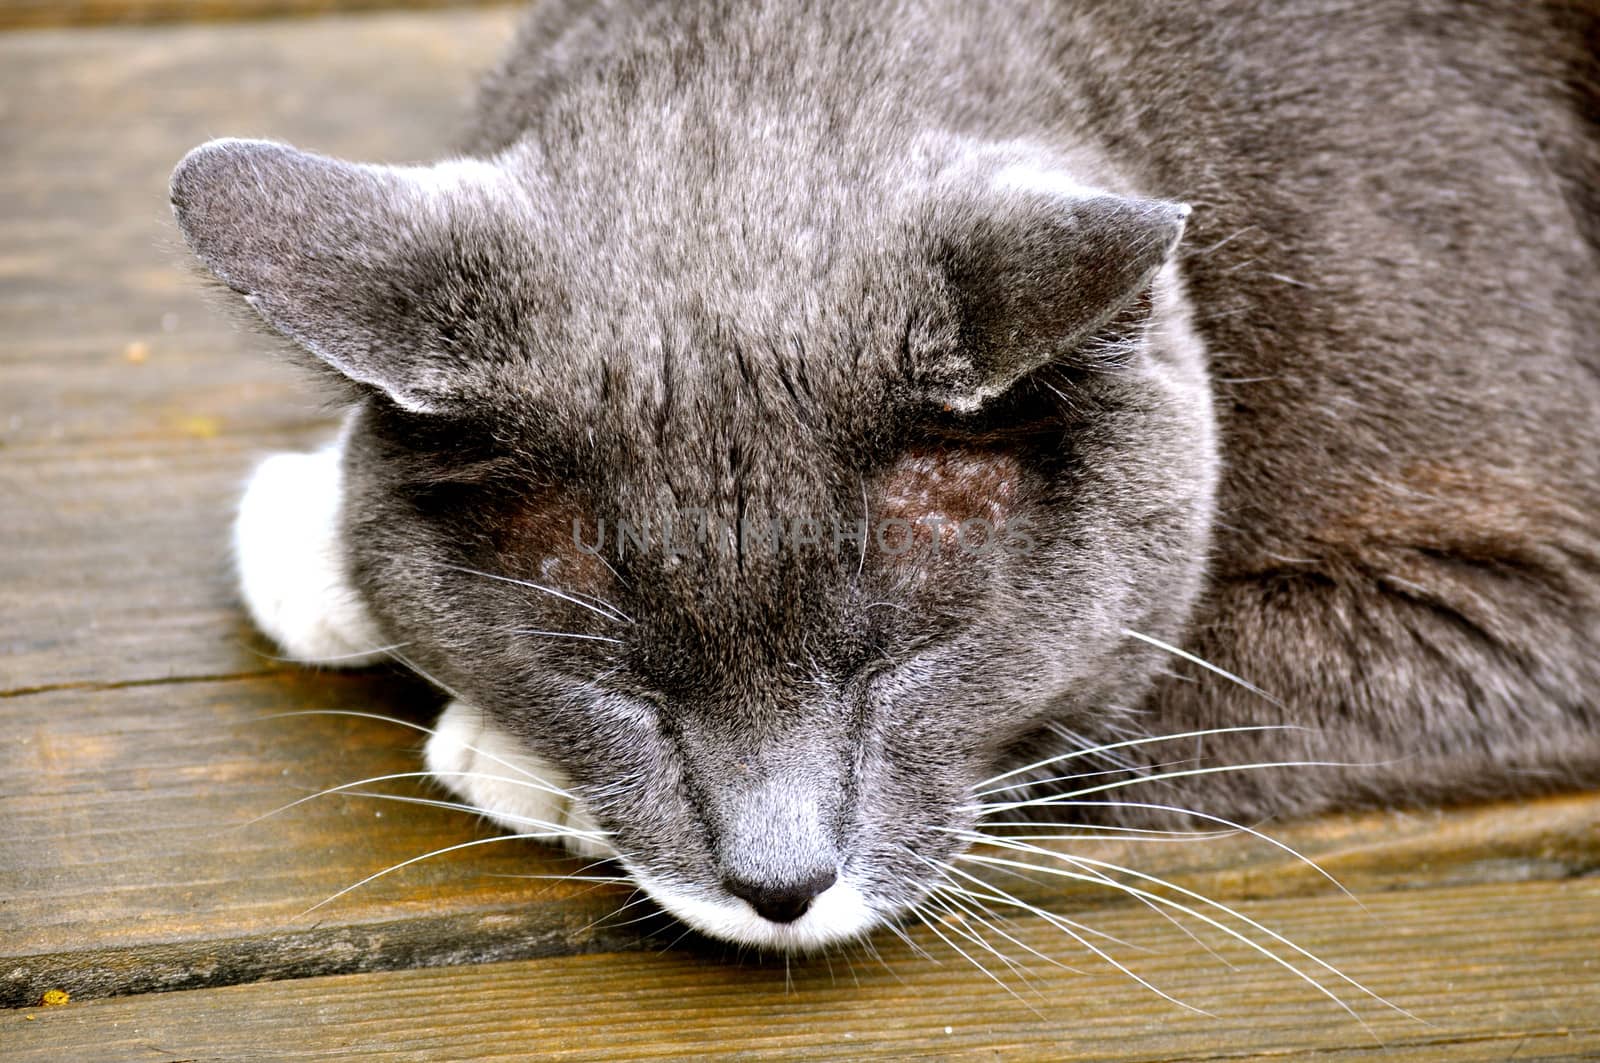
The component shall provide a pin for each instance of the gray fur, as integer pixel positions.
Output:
(1343, 442)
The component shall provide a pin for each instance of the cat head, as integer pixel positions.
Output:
(778, 512)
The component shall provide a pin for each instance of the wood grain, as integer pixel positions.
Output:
(130, 406)
(36, 14)
(133, 695)
(134, 857)
(144, 733)
(1524, 992)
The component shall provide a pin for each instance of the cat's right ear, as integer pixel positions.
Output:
(351, 261)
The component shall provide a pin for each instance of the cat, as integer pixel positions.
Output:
(794, 432)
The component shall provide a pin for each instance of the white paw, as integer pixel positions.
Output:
(291, 561)
(491, 771)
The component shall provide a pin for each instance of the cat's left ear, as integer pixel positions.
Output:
(367, 267)
(1034, 265)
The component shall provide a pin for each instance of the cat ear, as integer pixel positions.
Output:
(346, 259)
(1036, 264)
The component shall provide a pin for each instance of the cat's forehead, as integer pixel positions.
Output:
(661, 388)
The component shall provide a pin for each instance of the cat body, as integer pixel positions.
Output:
(1266, 334)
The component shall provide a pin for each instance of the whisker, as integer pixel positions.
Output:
(1066, 926)
(429, 676)
(1154, 901)
(582, 872)
(634, 900)
(1076, 740)
(571, 876)
(326, 659)
(1187, 932)
(871, 950)
(954, 889)
(1050, 799)
(910, 944)
(426, 856)
(458, 806)
(1199, 835)
(614, 572)
(1180, 836)
(425, 730)
(1203, 663)
(1054, 779)
(1230, 824)
(1148, 740)
(401, 775)
(1202, 917)
(598, 606)
(669, 946)
(964, 905)
(956, 921)
(562, 635)
(931, 925)
(1060, 922)
(1081, 860)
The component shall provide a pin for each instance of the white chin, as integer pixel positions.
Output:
(840, 913)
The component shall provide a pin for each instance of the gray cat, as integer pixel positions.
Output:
(790, 430)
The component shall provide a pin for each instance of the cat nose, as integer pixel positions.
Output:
(780, 902)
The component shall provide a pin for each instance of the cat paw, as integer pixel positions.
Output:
(291, 561)
(491, 771)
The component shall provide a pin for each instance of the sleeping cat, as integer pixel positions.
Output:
(783, 426)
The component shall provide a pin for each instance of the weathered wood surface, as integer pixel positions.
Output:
(1525, 991)
(133, 696)
(143, 736)
(130, 408)
(36, 14)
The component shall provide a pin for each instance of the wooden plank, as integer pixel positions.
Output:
(36, 14)
(108, 334)
(116, 568)
(1490, 972)
(130, 408)
(130, 861)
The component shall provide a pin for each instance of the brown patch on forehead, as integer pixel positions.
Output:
(543, 540)
(958, 493)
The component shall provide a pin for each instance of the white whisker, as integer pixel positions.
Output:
(425, 730)
(1060, 922)
(598, 606)
(1201, 916)
(1053, 799)
(1157, 909)
(954, 890)
(931, 925)
(404, 775)
(631, 902)
(1198, 835)
(1178, 836)
(1067, 927)
(1149, 740)
(1230, 824)
(428, 856)
(562, 635)
(1054, 779)
(956, 920)
(457, 806)
(1203, 663)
